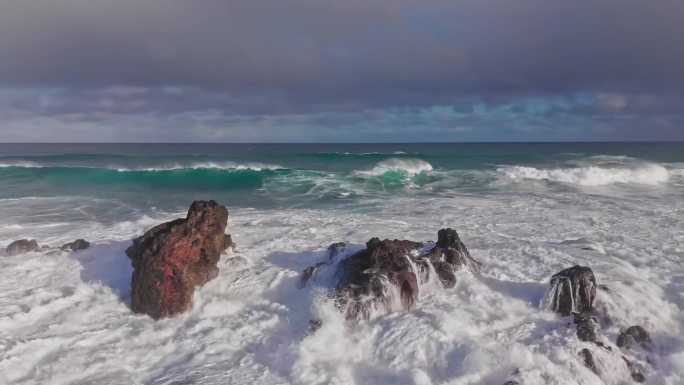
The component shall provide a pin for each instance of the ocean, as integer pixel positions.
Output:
(524, 210)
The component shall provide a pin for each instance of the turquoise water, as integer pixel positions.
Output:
(306, 175)
(525, 211)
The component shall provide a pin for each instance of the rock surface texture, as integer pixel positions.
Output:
(173, 258)
(79, 244)
(573, 290)
(22, 246)
(387, 274)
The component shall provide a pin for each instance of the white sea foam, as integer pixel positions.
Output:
(207, 165)
(410, 166)
(256, 166)
(645, 173)
(65, 319)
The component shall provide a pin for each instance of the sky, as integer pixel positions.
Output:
(341, 71)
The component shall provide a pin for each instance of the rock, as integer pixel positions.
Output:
(450, 249)
(633, 336)
(236, 262)
(587, 327)
(22, 246)
(315, 324)
(635, 370)
(387, 274)
(336, 249)
(511, 382)
(79, 244)
(588, 361)
(309, 273)
(173, 258)
(446, 275)
(573, 290)
(368, 278)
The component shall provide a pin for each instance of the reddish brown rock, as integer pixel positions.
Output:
(173, 258)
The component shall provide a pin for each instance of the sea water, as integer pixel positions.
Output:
(525, 211)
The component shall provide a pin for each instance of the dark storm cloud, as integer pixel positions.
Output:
(341, 70)
(346, 46)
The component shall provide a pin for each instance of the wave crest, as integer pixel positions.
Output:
(647, 174)
(410, 167)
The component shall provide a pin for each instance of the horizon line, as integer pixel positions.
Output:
(358, 143)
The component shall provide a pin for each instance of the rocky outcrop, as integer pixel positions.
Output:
(634, 336)
(573, 290)
(79, 244)
(387, 274)
(173, 258)
(22, 246)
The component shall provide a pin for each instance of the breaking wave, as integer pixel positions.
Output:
(645, 173)
(409, 167)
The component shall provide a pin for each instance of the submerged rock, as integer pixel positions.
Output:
(79, 244)
(633, 336)
(635, 370)
(573, 290)
(22, 246)
(171, 259)
(588, 360)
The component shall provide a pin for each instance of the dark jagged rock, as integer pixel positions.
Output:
(588, 361)
(368, 279)
(445, 272)
(79, 244)
(173, 258)
(22, 246)
(586, 327)
(635, 370)
(450, 249)
(633, 336)
(314, 325)
(336, 249)
(309, 273)
(573, 290)
(511, 382)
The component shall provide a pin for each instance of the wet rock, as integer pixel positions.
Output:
(314, 325)
(173, 258)
(336, 249)
(450, 249)
(387, 273)
(588, 360)
(634, 336)
(309, 273)
(236, 262)
(22, 246)
(446, 275)
(79, 244)
(370, 279)
(573, 290)
(587, 327)
(511, 382)
(635, 370)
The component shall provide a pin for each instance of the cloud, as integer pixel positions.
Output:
(313, 66)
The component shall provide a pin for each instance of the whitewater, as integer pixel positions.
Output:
(525, 212)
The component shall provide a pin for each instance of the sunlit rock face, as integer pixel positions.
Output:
(173, 258)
